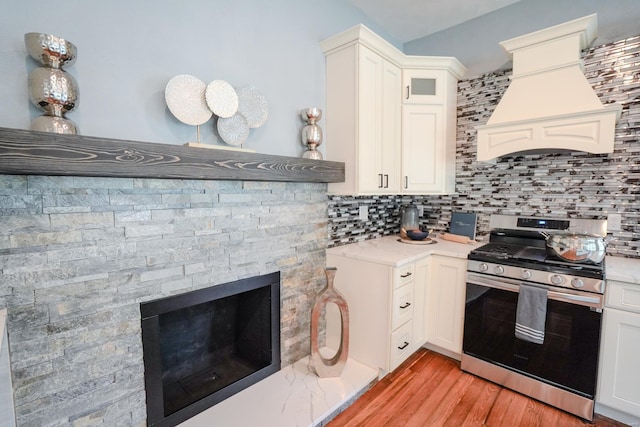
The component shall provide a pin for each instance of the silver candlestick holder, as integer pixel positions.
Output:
(312, 133)
(51, 88)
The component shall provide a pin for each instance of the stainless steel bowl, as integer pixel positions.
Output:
(50, 50)
(576, 247)
(54, 91)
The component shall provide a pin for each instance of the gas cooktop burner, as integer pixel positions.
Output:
(507, 251)
(531, 257)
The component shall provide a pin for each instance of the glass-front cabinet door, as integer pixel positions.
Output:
(423, 86)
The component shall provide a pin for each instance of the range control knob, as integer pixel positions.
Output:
(526, 274)
(557, 280)
(499, 269)
(484, 267)
(577, 283)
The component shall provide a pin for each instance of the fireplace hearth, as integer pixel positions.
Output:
(204, 346)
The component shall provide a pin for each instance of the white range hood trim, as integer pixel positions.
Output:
(591, 131)
(549, 105)
(586, 28)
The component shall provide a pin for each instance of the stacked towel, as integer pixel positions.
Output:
(531, 314)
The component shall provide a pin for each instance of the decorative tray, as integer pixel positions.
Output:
(427, 241)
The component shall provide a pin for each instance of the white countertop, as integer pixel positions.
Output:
(388, 250)
(623, 269)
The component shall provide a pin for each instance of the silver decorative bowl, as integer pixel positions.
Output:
(49, 50)
(54, 91)
(311, 134)
(53, 124)
(311, 115)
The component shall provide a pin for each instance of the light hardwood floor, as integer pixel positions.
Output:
(430, 390)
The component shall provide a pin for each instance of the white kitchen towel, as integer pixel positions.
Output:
(531, 313)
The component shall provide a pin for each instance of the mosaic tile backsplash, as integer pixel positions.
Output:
(575, 184)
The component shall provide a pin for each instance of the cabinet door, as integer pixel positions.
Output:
(391, 121)
(619, 376)
(379, 124)
(423, 86)
(369, 137)
(423, 149)
(445, 302)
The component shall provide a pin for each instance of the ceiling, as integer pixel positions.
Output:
(408, 20)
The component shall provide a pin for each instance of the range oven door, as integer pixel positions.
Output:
(568, 358)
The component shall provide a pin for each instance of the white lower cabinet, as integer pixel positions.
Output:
(445, 304)
(394, 311)
(382, 310)
(619, 373)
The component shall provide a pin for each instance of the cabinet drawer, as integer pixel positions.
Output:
(623, 296)
(403, 302)
(403, 275)
(401, 344)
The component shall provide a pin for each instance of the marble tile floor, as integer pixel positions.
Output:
(292, 397)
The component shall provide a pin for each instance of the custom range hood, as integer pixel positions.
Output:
(549, 105)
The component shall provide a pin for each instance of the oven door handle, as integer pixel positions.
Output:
(514, 286)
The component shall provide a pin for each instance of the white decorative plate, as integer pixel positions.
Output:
(253, 106)
(222, 98)
(233, 130)
(184, 96)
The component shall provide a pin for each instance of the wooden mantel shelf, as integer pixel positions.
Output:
(24, 152)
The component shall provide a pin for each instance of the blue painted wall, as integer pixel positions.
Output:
(129, 50)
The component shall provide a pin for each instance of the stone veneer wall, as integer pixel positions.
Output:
(78, 255)
(561, 184)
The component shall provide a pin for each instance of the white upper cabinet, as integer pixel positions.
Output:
(428, 132)
(387, 147)
(377, 117)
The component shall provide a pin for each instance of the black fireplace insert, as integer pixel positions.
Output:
(204, 346)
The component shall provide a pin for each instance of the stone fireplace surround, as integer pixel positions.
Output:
(79, 254)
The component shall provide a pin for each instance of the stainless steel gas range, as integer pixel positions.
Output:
(555, 306)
